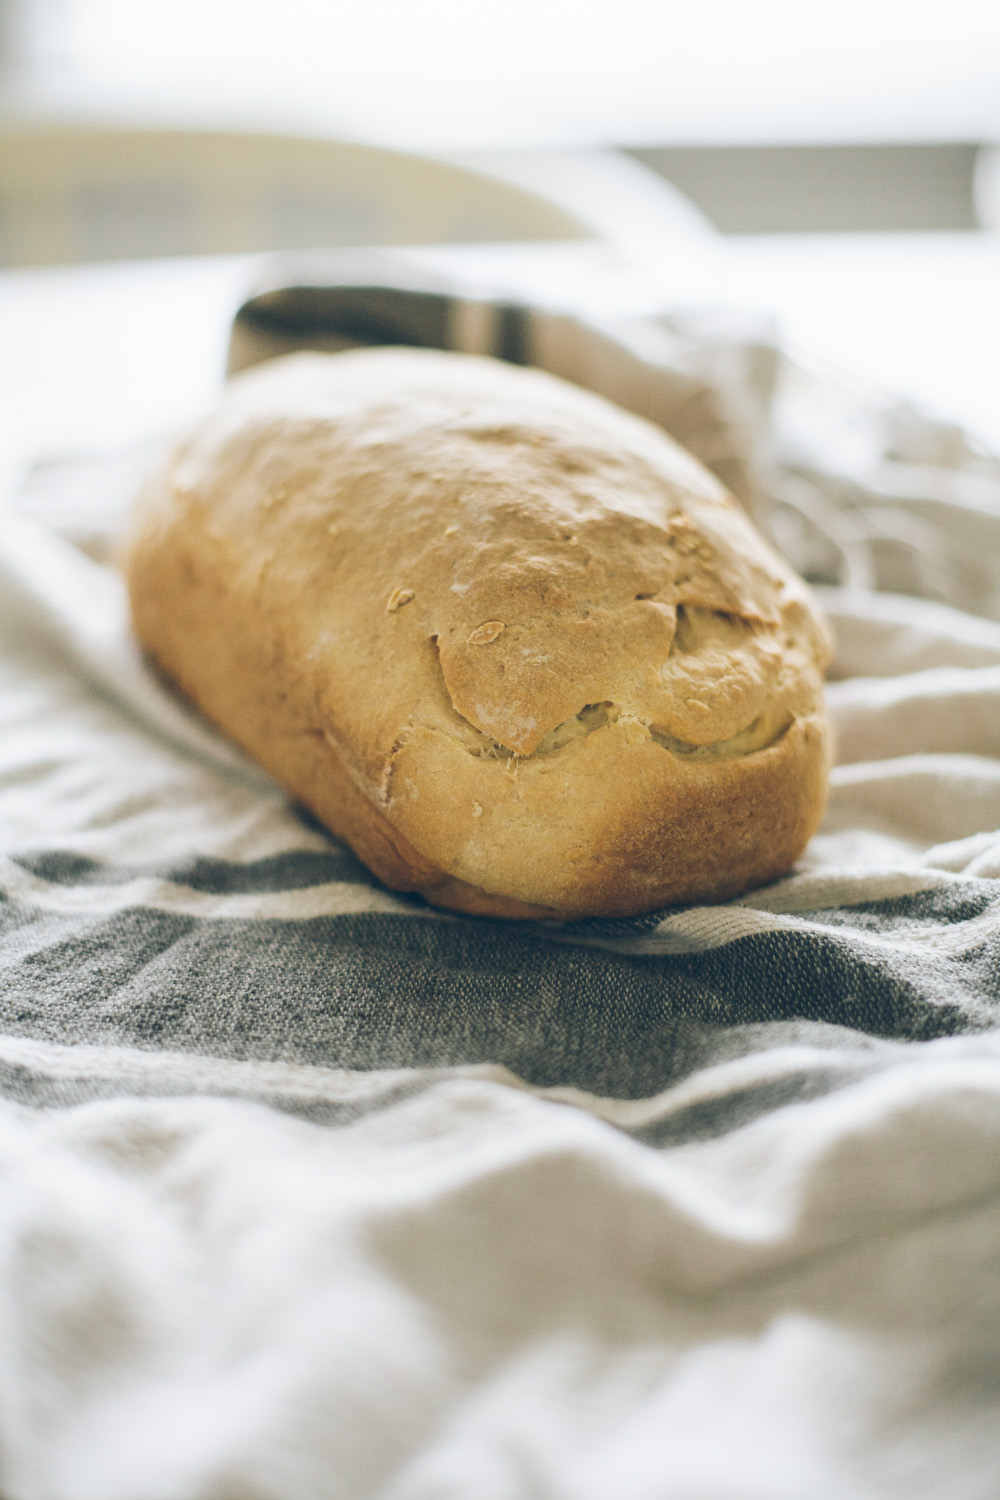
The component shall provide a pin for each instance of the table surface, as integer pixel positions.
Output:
(96, 357)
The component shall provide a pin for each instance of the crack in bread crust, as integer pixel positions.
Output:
(764, 729)
(756, 736)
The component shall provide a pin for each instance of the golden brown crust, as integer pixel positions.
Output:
(512, 644)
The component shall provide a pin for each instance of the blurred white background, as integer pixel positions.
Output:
(466, 74)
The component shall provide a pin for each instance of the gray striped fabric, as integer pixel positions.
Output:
(254, 962)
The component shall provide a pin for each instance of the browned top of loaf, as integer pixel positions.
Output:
(541, 537)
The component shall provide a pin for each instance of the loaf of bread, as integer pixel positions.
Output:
(513, 645)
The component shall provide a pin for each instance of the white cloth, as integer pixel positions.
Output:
(485, 1289)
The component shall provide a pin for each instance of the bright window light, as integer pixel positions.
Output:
(457, 73)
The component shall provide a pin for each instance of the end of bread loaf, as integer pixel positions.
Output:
(511, 643)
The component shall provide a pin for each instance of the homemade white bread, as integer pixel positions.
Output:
(517, 648)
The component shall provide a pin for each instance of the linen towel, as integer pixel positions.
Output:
(310, 1190)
